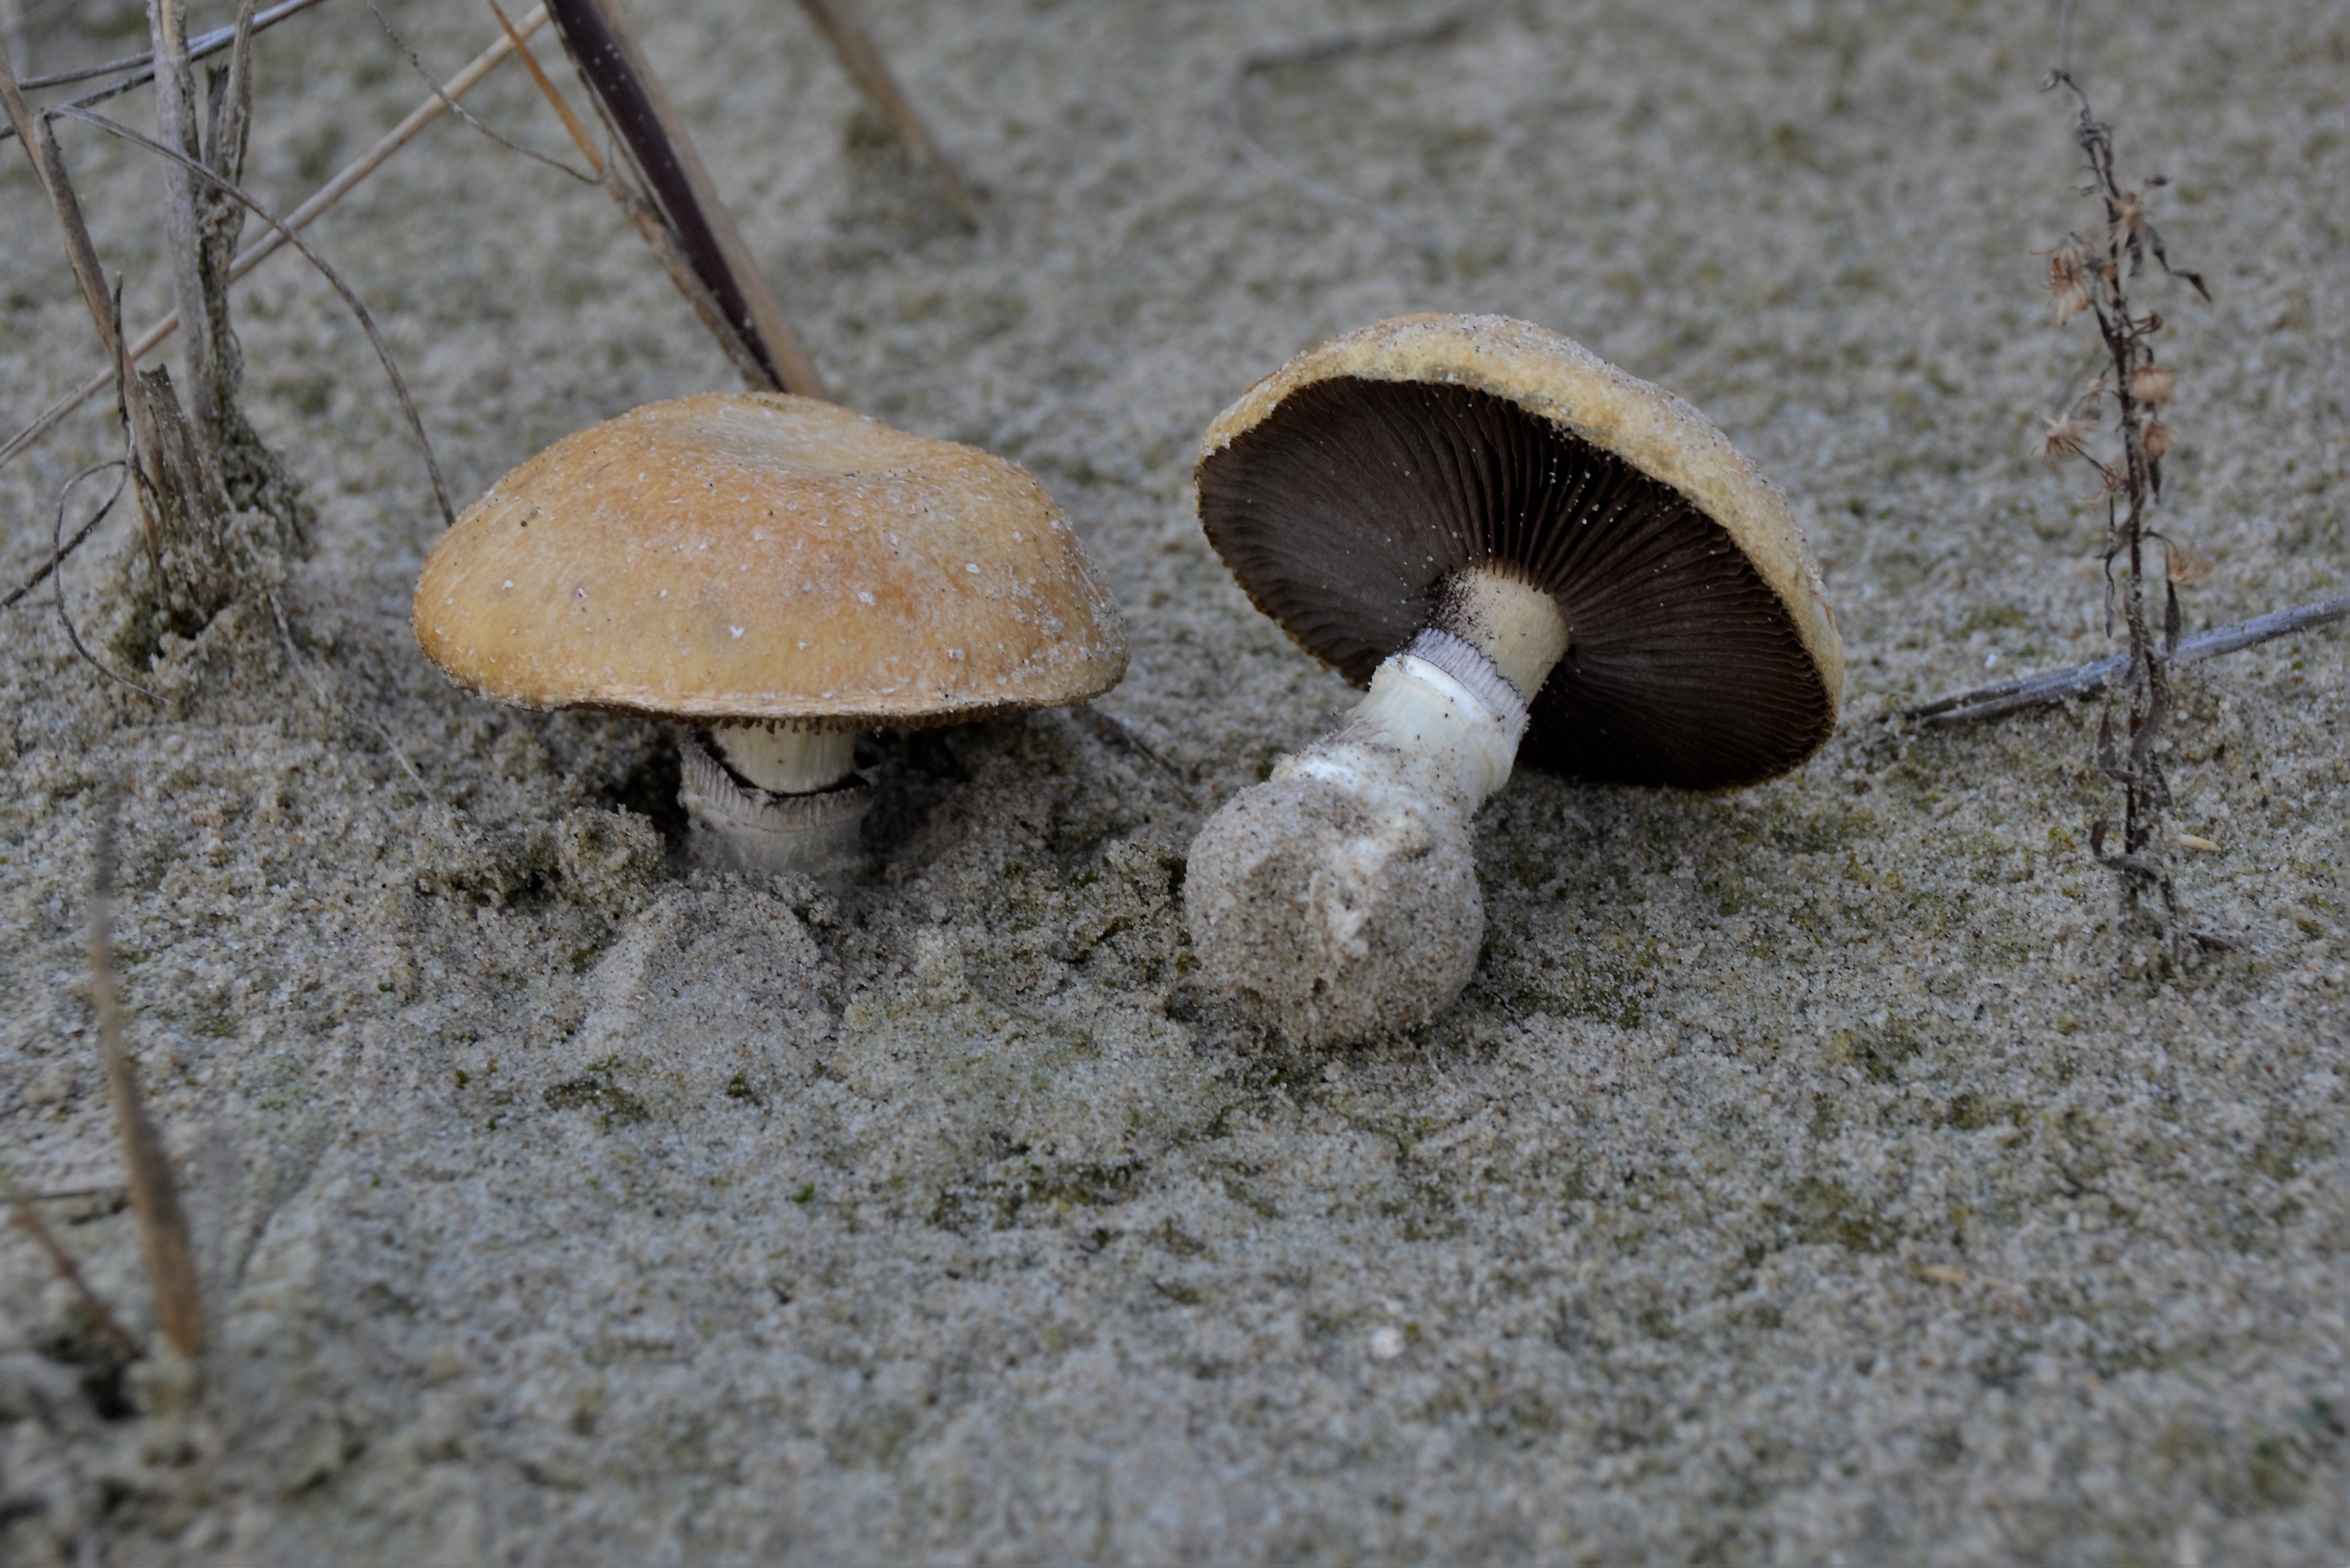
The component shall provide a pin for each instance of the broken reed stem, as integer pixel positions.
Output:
(650, 225)
(102, 1321)
(632, 103)
(2080, 680)
(176, 118)
(154, 1196)
(40, 147)
(300, 218)
(858, 56)
(49, 168)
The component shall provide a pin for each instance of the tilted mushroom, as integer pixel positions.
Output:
(1507, 540)
(782, 573)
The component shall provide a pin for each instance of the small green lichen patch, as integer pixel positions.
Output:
(614, 1106)
(1032, 1192)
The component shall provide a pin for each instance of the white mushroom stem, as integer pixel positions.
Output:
(1339, 897)
(785, 761)
(804, 805)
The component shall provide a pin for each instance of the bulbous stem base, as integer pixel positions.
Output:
(1338, 899)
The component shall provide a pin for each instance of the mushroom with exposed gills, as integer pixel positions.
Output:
(1524, 552)
(781, 574)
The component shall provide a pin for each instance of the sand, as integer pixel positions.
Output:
(1798, 1181)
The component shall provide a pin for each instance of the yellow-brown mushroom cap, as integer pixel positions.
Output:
(1346, 488)
(755, 556)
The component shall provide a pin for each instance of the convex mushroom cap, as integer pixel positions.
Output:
(781, 571)
(1521, 551)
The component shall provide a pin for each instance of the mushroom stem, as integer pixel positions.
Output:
(1338, 899)
(1509, 620)
(784, 759)
(782, 799)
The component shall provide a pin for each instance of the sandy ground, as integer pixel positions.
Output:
(1794, 1182)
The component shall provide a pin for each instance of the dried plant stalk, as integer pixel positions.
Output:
(300, 218)
(154, 1196)
(2023, 692)
(140, 68)
(651, 224)
(632, 103)
(2092, 278)
(101, 1318)
(225, 510)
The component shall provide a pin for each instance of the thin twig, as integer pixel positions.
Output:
(631, 98)
(365, 321)
(327, 699)
(41, 573)
(93, 1306)
(25, 21)
(1118, 732)
(621, 183)
(175, 113)
(108, 1190)
(270, 243)
(2080, 680)
(211, 43)
(448, 100)
(854, 48)
(58, 575)
(1435, 29)
(154, 1194)
(81, 254)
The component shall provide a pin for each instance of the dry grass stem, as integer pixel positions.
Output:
(207, 345)
(448, 99)
(872, 73)
(301, 217)
(2094, 278)
(101, 1318)
(647, 220)
(141, 65)
(49, 168)
(350, 299)
(154, 1194)
(1439, 29)
(632, 103)
(2022, 691)
(57, 579)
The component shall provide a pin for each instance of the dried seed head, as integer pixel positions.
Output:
(2155, 437)
(2129, 215)
(2152, 384)
(2064, 439)
(2184, 564)
(2068, 277)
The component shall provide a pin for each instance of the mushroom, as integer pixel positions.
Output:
(1521, 551)
(781, 573)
